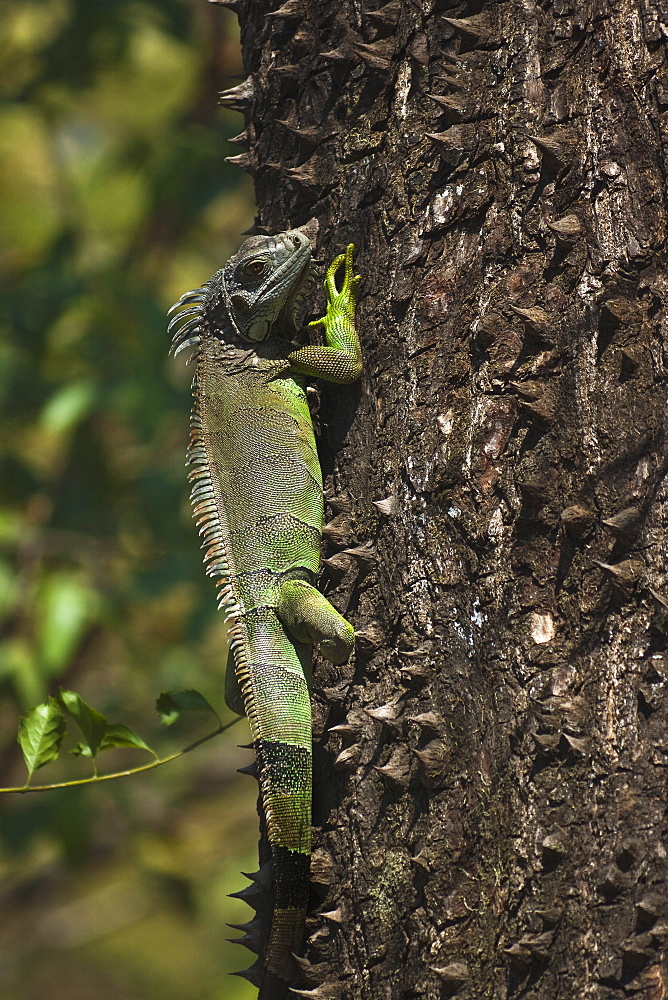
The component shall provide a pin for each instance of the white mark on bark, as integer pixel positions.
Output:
(476, 418)
(466, 639)
(439, 210)
(641, 474)
(585, 367)
(610, 168)
(495, 526)
(445, 422)
(531, 158)
(403, 88)
(543, 628)
(477, 617)
(610, 210)
(488, 286)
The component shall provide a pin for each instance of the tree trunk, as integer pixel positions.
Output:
(490, 810)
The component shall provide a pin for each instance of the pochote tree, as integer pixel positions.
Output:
(490, 792)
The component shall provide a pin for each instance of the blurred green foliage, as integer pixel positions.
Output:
(114, 199)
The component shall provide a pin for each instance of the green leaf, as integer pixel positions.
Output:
(119, 735)
(65, 608)
(41, 732)
(99, 734)
(92, 724)
(68, 406)
(170, 704)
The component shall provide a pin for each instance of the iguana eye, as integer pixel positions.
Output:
(255, 267)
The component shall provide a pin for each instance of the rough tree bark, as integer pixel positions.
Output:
(490, 811)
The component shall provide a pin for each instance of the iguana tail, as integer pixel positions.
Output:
(269, 668)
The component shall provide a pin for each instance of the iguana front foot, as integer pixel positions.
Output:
(340, 303)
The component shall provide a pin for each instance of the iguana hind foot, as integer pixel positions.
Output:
(309, 617)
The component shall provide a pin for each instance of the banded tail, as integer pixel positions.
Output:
(277, 703)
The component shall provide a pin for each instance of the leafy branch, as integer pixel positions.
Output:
(41, 732)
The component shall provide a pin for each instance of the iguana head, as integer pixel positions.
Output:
(263, 282)
(266, 279)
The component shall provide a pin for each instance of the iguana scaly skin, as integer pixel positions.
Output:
(258, 500)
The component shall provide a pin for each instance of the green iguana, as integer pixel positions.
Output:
(258, 499)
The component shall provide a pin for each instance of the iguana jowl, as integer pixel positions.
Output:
(258, 500)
